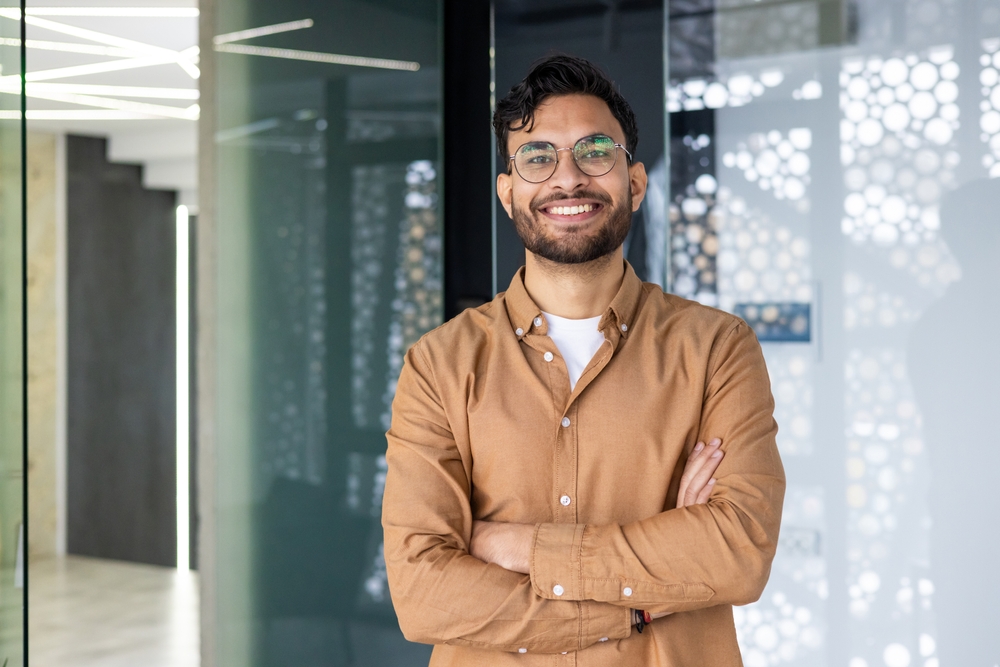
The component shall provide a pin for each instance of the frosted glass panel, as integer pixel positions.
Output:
(835, 179)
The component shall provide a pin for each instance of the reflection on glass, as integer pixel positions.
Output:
(330, 266)
(12, 464)
(830, 157)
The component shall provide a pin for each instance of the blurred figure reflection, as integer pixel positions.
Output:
(954, 360)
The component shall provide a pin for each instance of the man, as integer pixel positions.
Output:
(533, 507)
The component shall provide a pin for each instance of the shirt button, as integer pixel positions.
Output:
(558, 590)
(522, 650)
(548, 356)
(565, 500)
(519, 331)
(538, 321)
(627, 592)
(603, 639)
(624, 327)
(565, 422)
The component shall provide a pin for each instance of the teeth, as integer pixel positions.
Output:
(572, 210)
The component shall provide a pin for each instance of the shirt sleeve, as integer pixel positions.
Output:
(698, 556)
(441, 594)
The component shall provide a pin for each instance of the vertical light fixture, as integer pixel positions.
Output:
(183, 389)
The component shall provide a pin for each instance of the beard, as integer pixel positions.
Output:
(575, 246)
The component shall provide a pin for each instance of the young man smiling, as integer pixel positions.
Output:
(549, 500)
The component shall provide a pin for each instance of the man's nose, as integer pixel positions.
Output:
(567, 175)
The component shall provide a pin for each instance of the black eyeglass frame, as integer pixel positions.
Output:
(572, 151)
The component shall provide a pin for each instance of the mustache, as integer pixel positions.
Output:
(539, 203)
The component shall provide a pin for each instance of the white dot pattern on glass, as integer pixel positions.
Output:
(538, 321)
(627, 592)
(565, 500)
(519, 331)
(548, 356)
(565, 422)
(558, 590)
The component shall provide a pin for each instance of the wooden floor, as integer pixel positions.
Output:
(86, 612)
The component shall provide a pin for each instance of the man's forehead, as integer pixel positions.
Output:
(570, 117)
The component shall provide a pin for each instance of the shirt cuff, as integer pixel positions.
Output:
(555, 561)
(603, 622)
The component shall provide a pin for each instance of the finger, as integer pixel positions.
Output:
(690, 468)
(694, 470)
(700, 479)
(705, 493)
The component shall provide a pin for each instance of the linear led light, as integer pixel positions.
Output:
(70, 47)
(162, 110)
(315, 56)
(92, 68)
(114, 91)
(76, 114)
(146, 12)
(263, 30)
(183, 365)
(103, 38)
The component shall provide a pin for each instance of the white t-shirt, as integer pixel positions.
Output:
(577, 341)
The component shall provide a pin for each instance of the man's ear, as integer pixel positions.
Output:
(505, 192)
(637, 184)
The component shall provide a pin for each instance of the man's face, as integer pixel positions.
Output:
(543, 213)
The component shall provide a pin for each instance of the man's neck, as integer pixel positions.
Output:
(574, 291)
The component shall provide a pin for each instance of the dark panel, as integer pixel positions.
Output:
(468, 193)
(121, 321)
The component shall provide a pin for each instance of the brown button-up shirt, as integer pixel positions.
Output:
(483, 427)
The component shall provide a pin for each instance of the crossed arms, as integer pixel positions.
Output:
(696, 556)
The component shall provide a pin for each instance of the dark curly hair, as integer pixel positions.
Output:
(559, 75)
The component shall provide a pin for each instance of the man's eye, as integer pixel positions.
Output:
(595, 153)
(539, 159)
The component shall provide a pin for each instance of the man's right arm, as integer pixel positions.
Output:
(442, 594)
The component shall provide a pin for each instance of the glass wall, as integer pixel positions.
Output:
(830, 183)
(12, 466)
(328, 236)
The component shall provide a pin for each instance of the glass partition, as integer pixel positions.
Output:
(329, 250)
(830, 183)
(13, 534)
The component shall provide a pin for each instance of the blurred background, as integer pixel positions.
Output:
(239, 214)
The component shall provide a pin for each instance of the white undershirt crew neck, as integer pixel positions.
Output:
(577, 341)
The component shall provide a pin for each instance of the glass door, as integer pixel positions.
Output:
(13, 531)
(326, 226)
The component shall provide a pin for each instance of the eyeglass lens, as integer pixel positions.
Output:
(537, 161)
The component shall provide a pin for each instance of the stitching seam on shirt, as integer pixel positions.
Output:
(712, 368)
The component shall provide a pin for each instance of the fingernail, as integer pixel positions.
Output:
(711, 482)
(717, 454)
(700, 446)
(716, 442)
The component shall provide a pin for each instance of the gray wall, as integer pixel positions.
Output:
(121, 333)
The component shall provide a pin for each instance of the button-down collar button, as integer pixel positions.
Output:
(565, 422)
(603, 639)
(548, 356)
(522, 650)
(565, 652)
(624, 327)
(627, 592)
(538, 321)
(558, 590)
(519, 331)
(565, 500)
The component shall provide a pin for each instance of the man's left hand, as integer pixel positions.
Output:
(505, 544)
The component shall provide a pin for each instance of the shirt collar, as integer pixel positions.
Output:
(526, 317)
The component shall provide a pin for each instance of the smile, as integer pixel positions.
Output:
(576, 211)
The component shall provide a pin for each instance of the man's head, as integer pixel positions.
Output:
(577, 214)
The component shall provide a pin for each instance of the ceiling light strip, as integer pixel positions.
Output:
(162, 110)
(83, 33)
(139, 12)
(92, 68)
(114, 91)
(314, 56)
(76, 114)
(263, 30)
(69, 47)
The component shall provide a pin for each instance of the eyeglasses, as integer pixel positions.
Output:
(595, 155)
